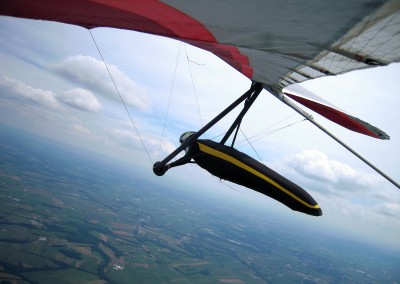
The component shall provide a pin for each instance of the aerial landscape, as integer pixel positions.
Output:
(77, 218)
(94, 94)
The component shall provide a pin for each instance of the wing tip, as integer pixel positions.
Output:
(382, 135)
(333, 113)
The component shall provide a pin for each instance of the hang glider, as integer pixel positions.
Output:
(274, 43)
(228, 163)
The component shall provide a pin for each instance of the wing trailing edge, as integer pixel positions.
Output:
(331, 112)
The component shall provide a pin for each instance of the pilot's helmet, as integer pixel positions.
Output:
(185, 136)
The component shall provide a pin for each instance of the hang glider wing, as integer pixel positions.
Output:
(324, 108)
(272, 42)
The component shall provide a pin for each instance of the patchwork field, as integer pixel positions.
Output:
(69, 218)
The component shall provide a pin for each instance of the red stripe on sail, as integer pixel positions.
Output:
(334, 115)
(148, 16)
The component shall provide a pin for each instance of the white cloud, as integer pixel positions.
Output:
(166, 148)
(123, 135)
(125, 138)
(92, 74)
(19, 89)
(76, 98)
(388, 209)
(81, 129)
(80, 99)
(316, 165)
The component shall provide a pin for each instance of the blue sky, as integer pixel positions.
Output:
(53, 82)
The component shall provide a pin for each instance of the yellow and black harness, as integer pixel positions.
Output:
(230, 164)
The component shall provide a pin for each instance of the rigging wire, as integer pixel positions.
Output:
(261, 133)
(194, 89)
(228, 186)
(259, 137)
(259, 158)
(171, 90)
(169, 101)
(120, 96)
(199, 64)
(250, 140)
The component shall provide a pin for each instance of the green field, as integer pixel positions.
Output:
(71, 217)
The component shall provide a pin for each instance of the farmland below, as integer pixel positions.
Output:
(73, 217)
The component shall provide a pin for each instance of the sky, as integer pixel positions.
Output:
(53, 82)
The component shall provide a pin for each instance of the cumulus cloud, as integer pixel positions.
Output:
(81, 99)
(316, 165)
(77, 98)
(91, 74)
(19, 89)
